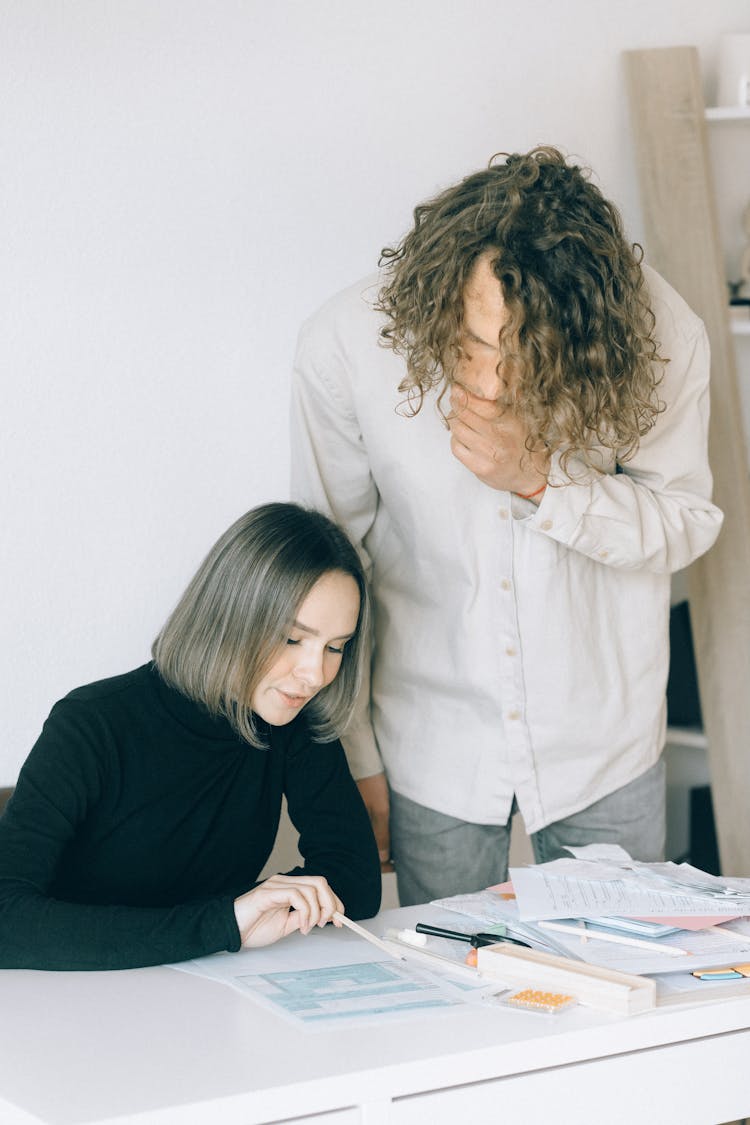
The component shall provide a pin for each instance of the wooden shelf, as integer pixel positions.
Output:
(687, 736)
(728, 113)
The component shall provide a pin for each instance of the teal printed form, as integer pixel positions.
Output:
(310, 988)
(357, 992)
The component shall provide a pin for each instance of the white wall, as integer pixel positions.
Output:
(181, 182)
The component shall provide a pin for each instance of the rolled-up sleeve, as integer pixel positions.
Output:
(652, 511)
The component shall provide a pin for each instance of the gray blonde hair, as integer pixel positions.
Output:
(238, 610)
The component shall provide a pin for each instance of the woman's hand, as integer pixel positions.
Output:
(283, 904)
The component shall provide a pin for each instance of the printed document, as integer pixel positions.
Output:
(331, 976)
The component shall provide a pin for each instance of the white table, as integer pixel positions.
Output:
(158, 1047)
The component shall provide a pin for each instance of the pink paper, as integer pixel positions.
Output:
(505, 890)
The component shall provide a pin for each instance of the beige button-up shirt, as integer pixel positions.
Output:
(517, 650)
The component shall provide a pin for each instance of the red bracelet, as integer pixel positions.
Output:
(530, 495)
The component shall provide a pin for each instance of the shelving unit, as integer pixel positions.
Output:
(682, 242)
(727, 113)
(737, 114)
(688, 736)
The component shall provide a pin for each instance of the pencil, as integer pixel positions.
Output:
(363, 933)
(617, 939)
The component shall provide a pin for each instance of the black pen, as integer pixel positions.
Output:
(474, 940)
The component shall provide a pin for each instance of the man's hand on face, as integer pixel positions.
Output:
(489, 439)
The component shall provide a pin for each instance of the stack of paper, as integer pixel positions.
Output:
(603, 880)
(605, 909)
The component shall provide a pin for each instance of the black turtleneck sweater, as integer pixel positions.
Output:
(138, 818)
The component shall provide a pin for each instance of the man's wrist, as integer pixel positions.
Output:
(535, 495)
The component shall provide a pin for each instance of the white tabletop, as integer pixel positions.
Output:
(157, 1046)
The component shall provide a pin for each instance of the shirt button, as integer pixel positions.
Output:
(546, 525)
(503, 513)
(604, 554)
(510, 651)
(514, 715)
(505, 584)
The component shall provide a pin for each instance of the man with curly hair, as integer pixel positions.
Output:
(511, 421)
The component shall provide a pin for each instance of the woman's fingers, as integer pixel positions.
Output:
(318, 902)
(283, 904)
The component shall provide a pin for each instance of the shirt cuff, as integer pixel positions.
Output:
(361, 751)
(563, 504)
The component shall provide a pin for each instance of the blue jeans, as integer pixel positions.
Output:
(437, 855)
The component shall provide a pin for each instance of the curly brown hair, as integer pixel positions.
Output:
(578, 349)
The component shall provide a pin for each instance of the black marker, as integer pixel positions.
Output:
(474, 940)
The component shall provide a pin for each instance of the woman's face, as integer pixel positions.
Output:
(312, 655)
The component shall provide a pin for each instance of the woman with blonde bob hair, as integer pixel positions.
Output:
(150, 803)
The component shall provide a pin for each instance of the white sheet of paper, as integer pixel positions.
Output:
(703, 947)
(600, 852)
(341, 994)
(543, 893)
(333, 976)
